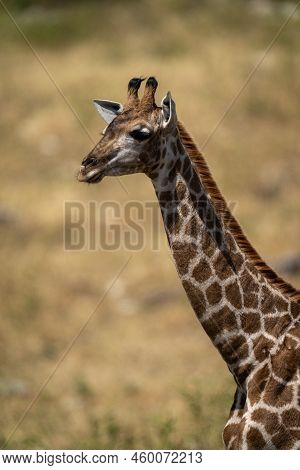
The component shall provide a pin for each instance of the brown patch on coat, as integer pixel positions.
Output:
(277, 394)
(214, 293)
(255, 439)
(233, 294)
(222, 320)
(291, 418)
(250, 322)
(282, 439)
(202, 271)
(268, 419)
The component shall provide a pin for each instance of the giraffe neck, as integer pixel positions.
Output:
(243, 315)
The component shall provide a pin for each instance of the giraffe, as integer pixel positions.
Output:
(250, 314)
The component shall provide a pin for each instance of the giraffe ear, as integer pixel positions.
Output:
(168, 110)
(108, 109)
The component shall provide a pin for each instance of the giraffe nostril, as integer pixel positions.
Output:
(88, 161)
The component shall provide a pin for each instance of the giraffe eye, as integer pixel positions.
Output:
(140, 134)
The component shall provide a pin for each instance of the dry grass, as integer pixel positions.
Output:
(143, 374)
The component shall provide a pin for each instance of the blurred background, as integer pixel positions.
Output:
(143, 374)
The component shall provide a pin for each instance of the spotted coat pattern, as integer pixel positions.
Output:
(252, 321)
(254, 326)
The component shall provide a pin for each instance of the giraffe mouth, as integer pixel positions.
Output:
(95, 175)
(93, 169)
(91, 176)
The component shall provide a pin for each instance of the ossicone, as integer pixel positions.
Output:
(148, 99)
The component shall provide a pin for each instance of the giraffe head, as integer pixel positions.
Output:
(131, 142)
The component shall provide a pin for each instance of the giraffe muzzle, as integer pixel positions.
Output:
(92, 169)
(117, 163)
(94, 175)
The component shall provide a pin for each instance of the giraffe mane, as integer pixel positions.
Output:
(236, 230)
